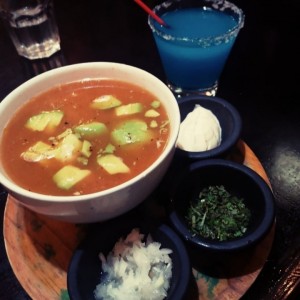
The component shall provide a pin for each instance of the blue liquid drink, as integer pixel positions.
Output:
(196, 44)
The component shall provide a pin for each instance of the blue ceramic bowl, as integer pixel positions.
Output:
(229, 119)
(238, 180)
(85, 266)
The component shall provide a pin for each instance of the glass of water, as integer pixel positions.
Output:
(32, 27)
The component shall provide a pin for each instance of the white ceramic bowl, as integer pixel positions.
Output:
(109, 203)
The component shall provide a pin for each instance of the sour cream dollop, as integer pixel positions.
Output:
(199, 131)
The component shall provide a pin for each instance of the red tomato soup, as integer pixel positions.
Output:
(84, 137)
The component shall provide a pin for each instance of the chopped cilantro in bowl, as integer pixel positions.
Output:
(244, 218)
(209, 192)
(216, 214)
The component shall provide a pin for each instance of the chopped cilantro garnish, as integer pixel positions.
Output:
(216, 214)
(64, 295)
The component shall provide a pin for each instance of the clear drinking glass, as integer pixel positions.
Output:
(195, 45)
(32, 27)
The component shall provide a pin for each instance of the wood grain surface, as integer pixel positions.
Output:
(39, 250)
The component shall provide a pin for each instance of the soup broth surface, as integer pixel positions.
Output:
(132, 132)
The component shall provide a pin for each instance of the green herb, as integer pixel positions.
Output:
(64, 295)
(217, 214)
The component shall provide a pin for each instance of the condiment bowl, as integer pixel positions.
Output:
(85, 267)
(229, 120)
(213, 254)
(112, 202)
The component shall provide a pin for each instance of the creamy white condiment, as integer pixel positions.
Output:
(199, 131)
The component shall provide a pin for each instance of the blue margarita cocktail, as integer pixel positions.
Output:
(195, 45)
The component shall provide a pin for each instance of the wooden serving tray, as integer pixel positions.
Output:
(39, 249)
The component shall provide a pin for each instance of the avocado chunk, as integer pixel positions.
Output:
(86, 148)
(109, 149)
(152, 113)
(105, 102)
(63, 134)
(155, 104)
(91, 130)
(112, 164)
(129, 109)
(46, 120)
(69, 148)
(68, 176)
(130, 132)
(153, 124)
(38, 152)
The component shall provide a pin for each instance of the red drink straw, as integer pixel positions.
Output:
(151, 12)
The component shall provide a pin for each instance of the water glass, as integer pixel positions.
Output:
(195, 44)
(32, 27)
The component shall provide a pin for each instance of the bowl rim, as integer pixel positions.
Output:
(88, 243)
(230, 245)
(228, 143)
(103, 65)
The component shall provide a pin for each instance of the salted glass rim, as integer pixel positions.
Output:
(203, 42)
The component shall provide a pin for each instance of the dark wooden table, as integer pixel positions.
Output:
(261, 79)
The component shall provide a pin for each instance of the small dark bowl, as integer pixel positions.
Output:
(213, 256)
(85, 267)
(229, 119)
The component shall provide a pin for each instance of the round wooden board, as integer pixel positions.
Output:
(39, 249)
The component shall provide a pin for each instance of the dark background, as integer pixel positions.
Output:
(261, 79)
